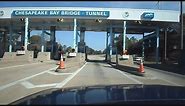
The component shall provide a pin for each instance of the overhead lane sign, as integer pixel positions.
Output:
(60, 13)
(148, 15)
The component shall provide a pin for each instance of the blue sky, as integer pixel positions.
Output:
(98, 43)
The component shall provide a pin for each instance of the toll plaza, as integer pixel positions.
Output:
(20, 21)
(18, 48)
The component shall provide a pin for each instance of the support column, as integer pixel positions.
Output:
(22, 35)
(113, 45)
(42, 40)
(10, 38)
(157, 45)
(165, 44)
(82, 37)
(29, 35)
(26, 34)
(76, 41)
(75, 36)
(124, 34)
(111, 36)
(143, 47)
(107, 36)
(53, 40)
(4, 41)
(82, 34)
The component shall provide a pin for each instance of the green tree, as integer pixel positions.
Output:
(132, 45)
(64, 47)
(69, 49)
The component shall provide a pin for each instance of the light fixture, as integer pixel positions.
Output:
(21, 19)
(60, 20)
(138, 22)
(98, 20)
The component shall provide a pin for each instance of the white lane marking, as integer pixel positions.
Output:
(17, 66)
(29, 85)
(18, 81)
(45, 85)
(55, 73)
(60, 85)
(129, 77)
(170, 82)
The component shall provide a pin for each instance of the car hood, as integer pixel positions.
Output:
(107, 94)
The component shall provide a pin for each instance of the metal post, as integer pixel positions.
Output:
(10, 40)
(74, 36)
(116, 56)
(42, 40)
(76, 41)
(85, 53)
(29, 35)
(124, 34)
(165, 43)
(4, 41)
(26, 34)
(107, 36)
(143, 47)
(111, 36)
(82, 37)
(53, 49)
(82, 34)
(157, 45)
(22, 35)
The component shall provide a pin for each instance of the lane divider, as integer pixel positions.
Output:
(29, 85)
(18, 81)
(17, 66)
(60, 85)
(130, 77)
(54, 73)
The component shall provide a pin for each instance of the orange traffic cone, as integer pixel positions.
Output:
(58, 63)
(61, 66)
(141, 67)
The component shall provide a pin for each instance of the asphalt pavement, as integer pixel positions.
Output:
(21, 80)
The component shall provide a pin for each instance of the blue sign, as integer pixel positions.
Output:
(148, 15)
(60, 13)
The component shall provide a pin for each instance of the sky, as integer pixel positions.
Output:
(66, 37)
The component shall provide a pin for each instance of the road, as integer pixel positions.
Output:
(25, 79)
(101, 73)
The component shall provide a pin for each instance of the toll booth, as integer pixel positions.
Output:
(16, 23)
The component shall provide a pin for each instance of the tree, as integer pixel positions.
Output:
(69, 49)
(64, 48)
(104, 51)
(132, 45)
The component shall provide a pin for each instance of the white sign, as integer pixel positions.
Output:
(20, 52)
(125, 56)
(72, 54)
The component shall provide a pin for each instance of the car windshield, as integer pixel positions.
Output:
(123, 49)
